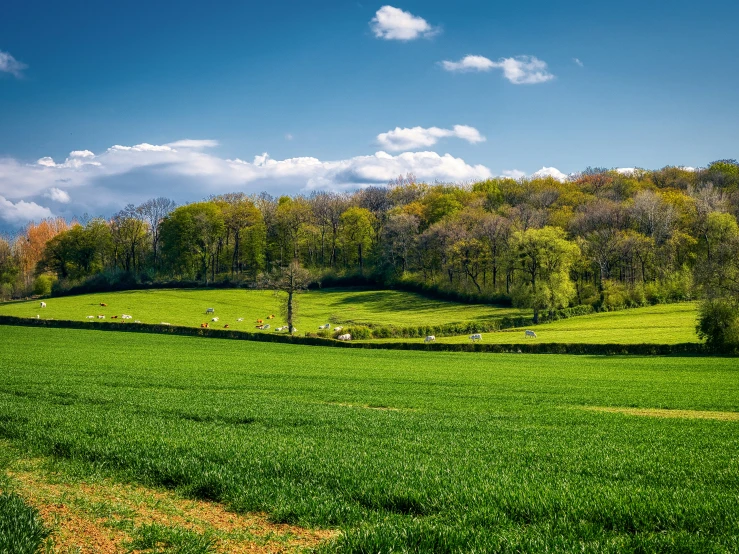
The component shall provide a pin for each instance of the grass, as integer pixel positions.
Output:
(402, 451)
(336, 306)
(21, 528)
(661, 324)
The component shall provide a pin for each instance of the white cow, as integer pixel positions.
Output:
(210, 310)
(240, 319)
(101, 317)
(137, 321)
(430, 338)
(325, 326)
(475, 337)
(527, 333)
(124, 316)
(90, 317)
(337, 329)
(43, 304)
(214, 319)
(266, 327)
(347, 336)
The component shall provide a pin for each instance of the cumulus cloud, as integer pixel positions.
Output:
(8, 64)
(521, 70)
(419, 137)
(21, 212)
(392, 23)
(469, 63)
(578, 62)
(514, 174)
(100, 183)
(552, 172)
(57, 195)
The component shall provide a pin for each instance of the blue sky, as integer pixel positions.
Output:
(322, 87)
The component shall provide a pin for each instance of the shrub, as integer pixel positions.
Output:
(42, 285)
(718, 323)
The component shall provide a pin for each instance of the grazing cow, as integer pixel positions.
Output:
(214, 319)
(325, 326)
(260, 326)
(43, 304)
(203, 325)
(104, 305)
(475, 337)
(240, 319)
(114, 317)
(337, 329)
(90, 317)
(265, 327)
(271, 317)
(124, 316)
(101, 317)
(527, 334)
(280, 329)
(260, 321)
(347, 336)
(225, 326)
(210, 311)
(430, 338)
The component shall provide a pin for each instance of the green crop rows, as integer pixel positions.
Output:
(403, 451)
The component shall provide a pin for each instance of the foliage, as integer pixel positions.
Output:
(718, 323)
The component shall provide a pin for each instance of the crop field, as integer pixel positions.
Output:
(371, 451)
(661, 324)
(336, 306)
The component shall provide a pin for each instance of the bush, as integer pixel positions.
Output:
(718, 323)
(42, 285)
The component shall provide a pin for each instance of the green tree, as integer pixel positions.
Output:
(544, 258)
(356, 234)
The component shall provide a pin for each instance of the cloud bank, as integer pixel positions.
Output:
(392, 23)
(419, 137)
(102, 183)
(521, 70)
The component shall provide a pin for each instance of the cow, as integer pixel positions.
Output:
(210, 311)
(90, 317)
(475, 337)
(280, 329)
(265, 327)
(260, 321)
(347, 336)
(103, 304)
(101, 317)
(114, 317)
(43, 304)
(527, 333)
(214, 319)
(430, 338)
(203, 325)
(225, 326)
(260, 326)
(337, 329)
(271, 316)
(325, 326)
(240, 319)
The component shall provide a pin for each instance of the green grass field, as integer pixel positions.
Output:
(403, 451)
(336, 306)
(661, 324)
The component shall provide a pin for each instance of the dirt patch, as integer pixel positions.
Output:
(102, 516)
(658, 412)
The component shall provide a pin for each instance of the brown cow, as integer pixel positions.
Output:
(103, 305)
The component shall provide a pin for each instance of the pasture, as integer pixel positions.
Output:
(660, 324)
(399, 451)
(336, 306)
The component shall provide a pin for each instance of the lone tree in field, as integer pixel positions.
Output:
(290, 279)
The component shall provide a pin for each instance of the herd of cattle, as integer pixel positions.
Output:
(475, 337)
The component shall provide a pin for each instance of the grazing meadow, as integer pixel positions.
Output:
(390, 451)
(187, 307)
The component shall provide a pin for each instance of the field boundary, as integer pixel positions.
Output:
(680, 349)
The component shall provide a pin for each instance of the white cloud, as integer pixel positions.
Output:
(8, 64)
(392, 23)
(469, 63)
(552, 172)
(21, 212)
(289, 136)
(626, 170)
(194, 144)
(419, 137)
(57, 195)
(521, 70)
(102, 183)
(578, 62)
(514, 174)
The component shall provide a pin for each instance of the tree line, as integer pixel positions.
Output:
(606, 238)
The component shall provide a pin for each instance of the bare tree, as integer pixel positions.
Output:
(291, 279)
(153, 212)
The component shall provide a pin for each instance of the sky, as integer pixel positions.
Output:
(108, 103)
